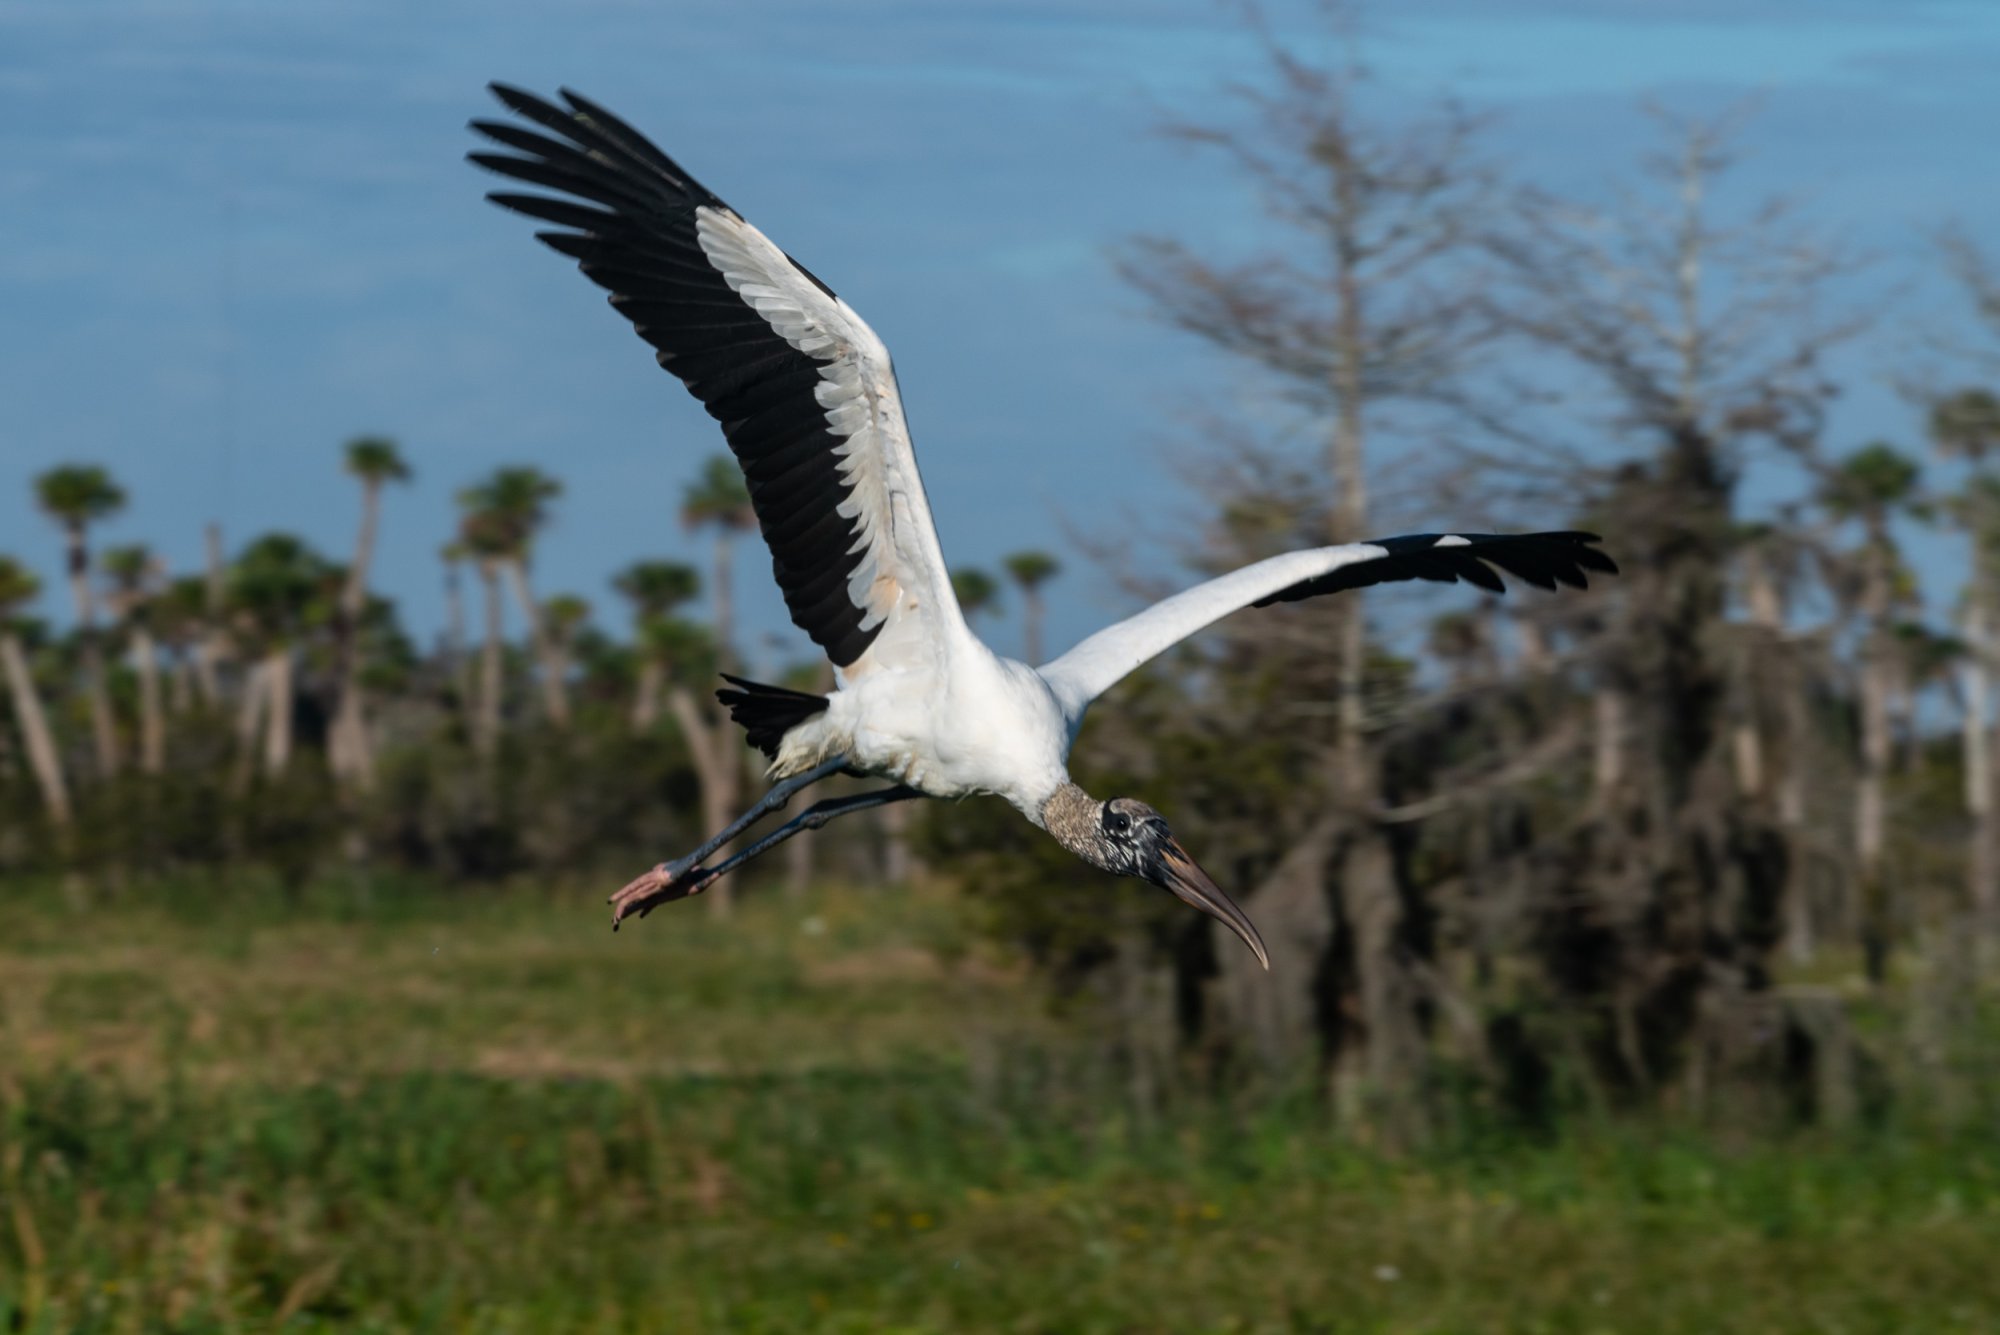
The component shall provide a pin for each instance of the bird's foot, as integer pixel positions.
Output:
(661, 885)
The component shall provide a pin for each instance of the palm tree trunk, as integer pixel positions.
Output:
(348, 747)
(709, 750)
(723, 600)
(278, 732)
(555, 690)
(202, 655)
(249, 720)
(646, 696)
(1031, 627)
(103, 730)
(486, 727)
(215, 642)
(454, 634)
(152, 720)
(180, 682)
(42, 755)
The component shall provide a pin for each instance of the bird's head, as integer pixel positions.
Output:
(1129, 838)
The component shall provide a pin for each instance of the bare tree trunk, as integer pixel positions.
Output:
(715, 770)
(1531, 645)
(152, 721)
(1801, 929)
(555, 691)
(278, 692)
(1393, 1053)
(43, 757)
(1774, 694)
(1976, 676)
(1609, 725)
(486, 726)
(646, 696)
(103, 729)
(1876, 754)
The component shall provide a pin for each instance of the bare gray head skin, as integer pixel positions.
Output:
(1126, 837)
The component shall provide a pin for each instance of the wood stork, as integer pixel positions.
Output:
(808, 402)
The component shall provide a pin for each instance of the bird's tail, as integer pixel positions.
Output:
(767, 713)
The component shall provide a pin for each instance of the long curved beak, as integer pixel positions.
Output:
(1181, 875)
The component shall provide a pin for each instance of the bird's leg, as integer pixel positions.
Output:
(662, 878)
(645, 894)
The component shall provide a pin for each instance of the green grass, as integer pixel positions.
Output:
(428, 1111)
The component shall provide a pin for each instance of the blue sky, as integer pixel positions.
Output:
(236, 234)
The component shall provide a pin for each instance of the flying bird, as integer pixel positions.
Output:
(807, 399)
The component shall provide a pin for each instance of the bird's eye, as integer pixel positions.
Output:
(1116, 822)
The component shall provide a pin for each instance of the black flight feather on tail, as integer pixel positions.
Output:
(767, 713)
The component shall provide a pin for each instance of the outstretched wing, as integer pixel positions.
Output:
(1542, 559)
(803, 388)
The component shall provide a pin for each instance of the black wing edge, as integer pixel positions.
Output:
(603, 160)
(1545, 560)
(626, 213)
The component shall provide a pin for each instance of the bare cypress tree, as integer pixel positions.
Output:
(1368, 311)
(1869, 487)
(1701, 343)
(1966, 425)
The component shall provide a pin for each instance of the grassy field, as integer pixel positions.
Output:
(399, 1109)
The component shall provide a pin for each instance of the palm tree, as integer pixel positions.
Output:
(75, 496)
(455, 554)
(1870, 487)
(656, 589)
(180, 614)
(133, 575)
(563, 615)
(977, 592)
(515, 505)
(1029, 571)
(719, 501)
(1966, 425)
(376, 462)
(280, 589)
(482, 538)
(18, 588)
